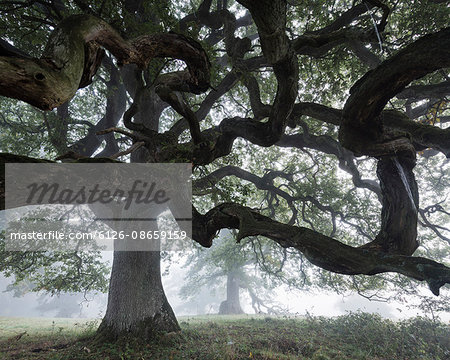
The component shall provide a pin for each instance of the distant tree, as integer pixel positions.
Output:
(295, 101)
(229, 267)
(62, 305)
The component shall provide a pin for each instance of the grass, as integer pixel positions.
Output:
(353, 336)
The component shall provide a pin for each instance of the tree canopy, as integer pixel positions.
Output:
(320, 126)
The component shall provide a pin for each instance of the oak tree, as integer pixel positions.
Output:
(277, 79)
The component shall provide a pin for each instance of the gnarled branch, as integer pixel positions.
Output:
(361, 130)
(73, 54)
(321, 250)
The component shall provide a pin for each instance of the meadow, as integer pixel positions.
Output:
(352, 336)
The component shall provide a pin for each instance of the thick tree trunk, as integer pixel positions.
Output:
(137, 304)
(231, 305)
(398, 234)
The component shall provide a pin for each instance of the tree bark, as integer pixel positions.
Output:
(137, 304)
(232, 304)
(398, 234)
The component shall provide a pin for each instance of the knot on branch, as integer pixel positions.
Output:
(247, 224)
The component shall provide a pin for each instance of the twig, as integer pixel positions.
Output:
(18, 337)
(121, 131)
(132, 148)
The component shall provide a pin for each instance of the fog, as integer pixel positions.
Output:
(297, 303)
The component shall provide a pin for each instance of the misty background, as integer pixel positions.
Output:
(22, 302)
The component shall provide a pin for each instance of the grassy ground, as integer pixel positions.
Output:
(353, 336)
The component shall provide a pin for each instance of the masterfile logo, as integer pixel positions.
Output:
(63, 207)
(95, 193)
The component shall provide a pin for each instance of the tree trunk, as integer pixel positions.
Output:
(398, 234)
(231, 305)
(137, 304)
